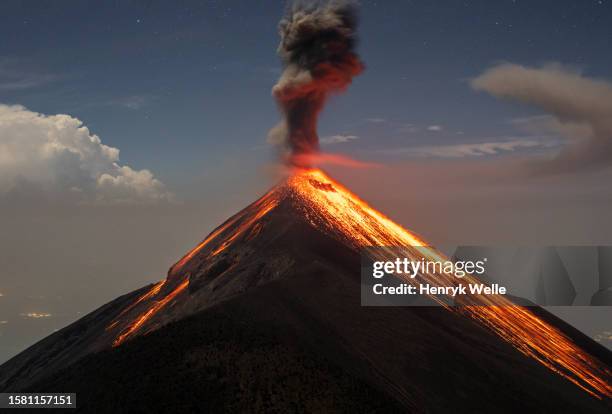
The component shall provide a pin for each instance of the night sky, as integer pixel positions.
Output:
(182, 89)
(180, 85)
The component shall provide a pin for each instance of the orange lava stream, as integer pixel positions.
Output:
(330, 206)
(335, 207)
(149, 294)
(202, 244)
(264, 205)
(156, 307)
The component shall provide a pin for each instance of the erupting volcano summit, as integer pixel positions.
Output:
(280, 280)
(264, 315)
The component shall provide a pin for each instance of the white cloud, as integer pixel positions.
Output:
(578, 108)
(338, 139)
(376, 120)
(407, 129)
(13, 77)
(470, 150)
(57, 156)
(434, 128)
(134, 102)
(26, 82)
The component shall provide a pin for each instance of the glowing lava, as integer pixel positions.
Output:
(262, 207)
(336, 208)
(152, 310)
(331, 208)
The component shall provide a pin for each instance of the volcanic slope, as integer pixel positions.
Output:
(265, 314)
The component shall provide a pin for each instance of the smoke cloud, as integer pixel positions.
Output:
(317, 49)
(579, 109)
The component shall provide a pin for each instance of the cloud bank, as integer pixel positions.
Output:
(57, 157)
(580, 109)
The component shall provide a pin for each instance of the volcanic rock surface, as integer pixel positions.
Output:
(264, 315)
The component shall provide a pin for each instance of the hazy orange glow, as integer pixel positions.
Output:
(152, 310)
(335, 210)
(325, 158)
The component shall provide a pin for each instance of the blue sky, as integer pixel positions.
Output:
(181, 86)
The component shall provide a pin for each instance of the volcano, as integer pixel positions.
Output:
(264, 315)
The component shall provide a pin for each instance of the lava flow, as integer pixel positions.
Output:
(234, 227)
(333, 209)
(157, 305)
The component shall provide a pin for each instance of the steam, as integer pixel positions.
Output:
(317, 49)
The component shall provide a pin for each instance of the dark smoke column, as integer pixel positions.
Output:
(318, 52)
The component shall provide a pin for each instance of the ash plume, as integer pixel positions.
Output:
(317, 49)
